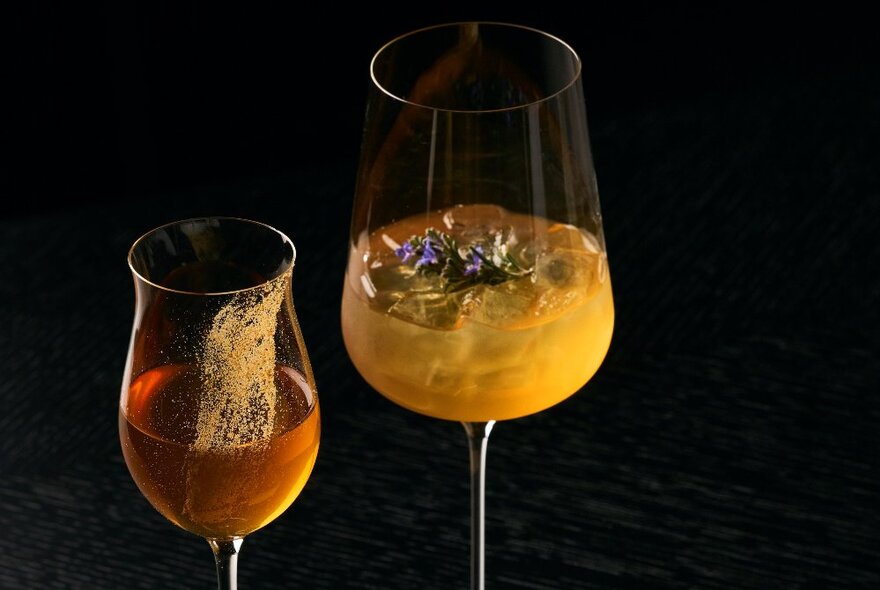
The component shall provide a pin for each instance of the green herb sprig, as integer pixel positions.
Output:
(437, 253)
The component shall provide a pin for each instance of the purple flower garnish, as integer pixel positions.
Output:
(473, 267)
(429, 254)
(437, 254)
(405, 252)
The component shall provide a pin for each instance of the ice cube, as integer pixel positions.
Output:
(431, 309)
(401, 277)
(569, 237)
(552, 303)
(439, 376)
(527, 243)
(566, 278)
(565, 269)
(508, 305)
(385, 284)
(514, 376)
(470, 223)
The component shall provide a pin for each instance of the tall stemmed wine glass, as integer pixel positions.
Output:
(218, 415)
(477, 286)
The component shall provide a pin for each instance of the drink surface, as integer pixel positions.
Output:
(488, 352)
(218, 480)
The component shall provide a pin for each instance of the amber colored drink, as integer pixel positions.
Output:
(488, 352)
(213, 489)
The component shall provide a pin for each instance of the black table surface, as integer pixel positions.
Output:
(730, 439)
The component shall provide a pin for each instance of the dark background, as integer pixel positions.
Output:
(115, 100)
(730, 438)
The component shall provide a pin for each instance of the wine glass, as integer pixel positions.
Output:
(477, 286)
(218, 415)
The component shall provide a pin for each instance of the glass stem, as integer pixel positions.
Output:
(478, 440)
(226, 558)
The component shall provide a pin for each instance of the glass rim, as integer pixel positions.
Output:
(565, 87)
(284, 238)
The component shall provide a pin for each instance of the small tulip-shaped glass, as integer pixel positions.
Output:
(218, 415)
(477, 286)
